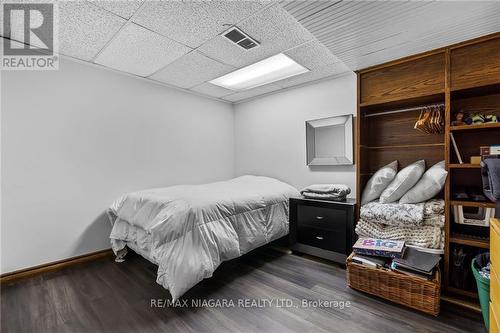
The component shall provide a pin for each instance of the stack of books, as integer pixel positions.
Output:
(394, 255)
(417, 263)
(377, 252)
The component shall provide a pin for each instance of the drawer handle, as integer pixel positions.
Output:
(320, 237)
(319, 217)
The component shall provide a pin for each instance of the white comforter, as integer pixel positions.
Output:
(189, 230)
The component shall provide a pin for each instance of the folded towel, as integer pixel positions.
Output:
(339, 189)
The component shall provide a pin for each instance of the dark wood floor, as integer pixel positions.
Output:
(104, 296)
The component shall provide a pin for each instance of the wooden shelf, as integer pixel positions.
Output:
(466, 293)
(464, 166)
(470, 241)
(405, 146)
(380, 105)
(475, 127)
(476, 91)
(472, 204)
(461, 302)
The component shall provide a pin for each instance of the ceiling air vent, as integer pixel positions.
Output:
(241, 39)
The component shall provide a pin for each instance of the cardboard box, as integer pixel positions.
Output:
(475, 160)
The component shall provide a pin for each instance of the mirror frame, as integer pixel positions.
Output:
(347, 122)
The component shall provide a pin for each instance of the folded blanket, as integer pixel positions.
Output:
(323, 196)
(424, 236)
(405, 215)
(394, 214)
(435, 221)
(338, 189)
(433, 207)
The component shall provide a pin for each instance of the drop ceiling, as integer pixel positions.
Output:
(181, 43)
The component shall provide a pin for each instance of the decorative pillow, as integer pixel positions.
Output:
(378, 182)
(428, 186)
(405, 180)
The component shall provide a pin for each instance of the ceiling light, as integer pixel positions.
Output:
(269, 70)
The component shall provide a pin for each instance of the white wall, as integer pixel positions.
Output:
(73, 140)
(270, 132)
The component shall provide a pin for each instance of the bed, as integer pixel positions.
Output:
(189, 230)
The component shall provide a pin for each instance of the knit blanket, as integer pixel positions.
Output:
(434, 221)
(433, 207)
(404, 215)
(425, 236)
(326, 191)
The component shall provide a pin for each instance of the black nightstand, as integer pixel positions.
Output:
(322, 228)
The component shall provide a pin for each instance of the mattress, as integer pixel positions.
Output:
(189, 230)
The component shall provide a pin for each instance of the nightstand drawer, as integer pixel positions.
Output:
(319, 217)
(323, 239)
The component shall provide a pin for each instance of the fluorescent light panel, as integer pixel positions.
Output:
(269, 70)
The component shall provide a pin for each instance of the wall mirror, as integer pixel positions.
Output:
(329, 141)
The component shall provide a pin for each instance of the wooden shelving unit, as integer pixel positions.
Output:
(465, 77)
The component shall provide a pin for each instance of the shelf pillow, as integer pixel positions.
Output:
(405, 180)
(379, 182)
(428, 186)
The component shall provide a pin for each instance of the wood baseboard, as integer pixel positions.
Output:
(52, 266)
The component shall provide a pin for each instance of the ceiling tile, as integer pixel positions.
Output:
(84, 29)
(140, 51)
(273, 27)
(239, 96)
(312, 55)
(212, 90)
(194, 22)
(124, 8)
(191, 70)
(316, 74)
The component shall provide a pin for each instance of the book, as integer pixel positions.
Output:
(417, 262)
(371, 261)
(456, 149)
(379, 247)
(412, 273)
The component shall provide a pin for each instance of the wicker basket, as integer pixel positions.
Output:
(420, 294)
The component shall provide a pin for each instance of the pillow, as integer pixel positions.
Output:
(405, 180)
(378, 182)
(428, 186)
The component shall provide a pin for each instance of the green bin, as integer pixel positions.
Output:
(483, 290)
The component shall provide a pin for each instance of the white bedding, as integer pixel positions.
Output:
(189, 230)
